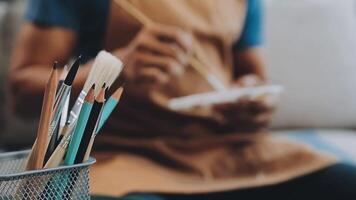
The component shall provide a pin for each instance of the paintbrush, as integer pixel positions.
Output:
(61, 98)
(64, 114)
(80, 127)
(213, 80)
(37, 155)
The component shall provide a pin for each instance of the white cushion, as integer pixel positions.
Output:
(311, 50)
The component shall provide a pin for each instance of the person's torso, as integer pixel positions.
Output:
(215, 25)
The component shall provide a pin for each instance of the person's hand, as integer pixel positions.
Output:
(246, 114)
(157, 53)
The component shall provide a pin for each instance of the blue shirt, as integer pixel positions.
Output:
(88, 18)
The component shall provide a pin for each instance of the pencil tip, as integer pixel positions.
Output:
(73, 71)
(101, 95)
(93, 86)
(55, 64)
(104, 85)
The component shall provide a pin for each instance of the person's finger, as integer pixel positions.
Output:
(254, 106)
(151, 75)
(171, 33)
(251, 80)
(234, 112)
(249, 121)
(162, 48)
(257, 107)
(166, 64)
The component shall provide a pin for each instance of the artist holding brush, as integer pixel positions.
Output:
(218, 152)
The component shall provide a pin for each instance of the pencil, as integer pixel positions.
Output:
(109, 107)
(213, 80)
(37, 155)
(79, 129)
(91, 126)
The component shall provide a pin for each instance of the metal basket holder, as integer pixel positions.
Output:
(61, 183)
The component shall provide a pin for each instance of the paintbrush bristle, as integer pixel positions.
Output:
(106, 68)
(73, 71)
(64, 72)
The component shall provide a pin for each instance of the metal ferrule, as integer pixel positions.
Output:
(61, 98)
(74, 113)
(65, 141)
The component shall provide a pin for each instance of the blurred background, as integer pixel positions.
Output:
(310, 49)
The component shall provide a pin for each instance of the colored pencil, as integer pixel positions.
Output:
(91, 126)
(109, 107)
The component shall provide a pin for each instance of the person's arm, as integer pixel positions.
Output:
(248, 61)
(35, 50)
(155, 55)
(249, 71)
(247, 114)
(49, 34)
(249, 67)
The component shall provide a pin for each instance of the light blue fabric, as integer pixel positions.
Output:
(252, 33)
(316, 140)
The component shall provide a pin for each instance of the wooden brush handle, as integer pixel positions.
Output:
(90, 147)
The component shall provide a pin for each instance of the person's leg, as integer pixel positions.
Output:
(133, 196)
(337, 182)
(142, 196)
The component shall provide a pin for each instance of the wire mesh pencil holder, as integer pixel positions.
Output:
(65, 182)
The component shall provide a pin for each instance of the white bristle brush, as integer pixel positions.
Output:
(106, 69)
(113, 68)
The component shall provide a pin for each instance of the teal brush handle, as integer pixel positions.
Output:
(107, 110)
(72, 149)
(78, 134)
